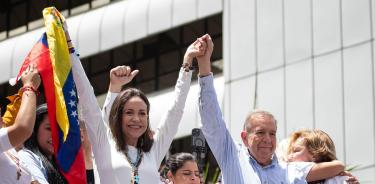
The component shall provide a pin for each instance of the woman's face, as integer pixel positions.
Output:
(44, 136)
(299, 152)
(134, 119)
(187, 174)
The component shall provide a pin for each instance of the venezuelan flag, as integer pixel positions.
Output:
(51, 54)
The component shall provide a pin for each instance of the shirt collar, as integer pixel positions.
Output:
(254, 162)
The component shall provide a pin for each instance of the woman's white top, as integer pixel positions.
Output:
(111, 164)
(8, 163)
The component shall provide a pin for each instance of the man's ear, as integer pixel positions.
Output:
(244, 138)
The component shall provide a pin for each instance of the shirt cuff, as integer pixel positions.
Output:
(185, 74)
(206, 81)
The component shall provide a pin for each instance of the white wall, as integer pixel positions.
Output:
(315, 63)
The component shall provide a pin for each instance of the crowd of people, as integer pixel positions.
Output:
(119, 141)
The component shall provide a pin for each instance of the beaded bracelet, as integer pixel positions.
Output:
(29, 88)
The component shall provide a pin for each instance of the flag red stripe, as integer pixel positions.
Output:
(75, 173)
(46, 73)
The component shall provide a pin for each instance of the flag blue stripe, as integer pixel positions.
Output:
(68, 150)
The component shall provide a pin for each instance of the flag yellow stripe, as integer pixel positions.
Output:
(60, 59)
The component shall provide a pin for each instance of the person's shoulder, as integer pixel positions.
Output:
(296, 166)
(298, 163)
(25, 151)
(3, 131)
(26, 154)
(4, 140)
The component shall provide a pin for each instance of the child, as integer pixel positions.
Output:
(315, 146)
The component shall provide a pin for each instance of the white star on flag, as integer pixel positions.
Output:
(72, 93)
(74, 114)
(71, 103)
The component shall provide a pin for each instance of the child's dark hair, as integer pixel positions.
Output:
(178, 160)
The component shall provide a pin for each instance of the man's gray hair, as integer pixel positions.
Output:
(257, 113)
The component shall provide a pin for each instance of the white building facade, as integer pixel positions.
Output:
(309, 62)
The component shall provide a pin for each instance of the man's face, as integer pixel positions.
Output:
(261, 140)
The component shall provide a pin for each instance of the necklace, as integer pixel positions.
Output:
(16, 160)
(135, 165)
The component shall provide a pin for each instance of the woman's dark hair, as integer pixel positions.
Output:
(115, 121)
(53, 174)
(176, 161)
